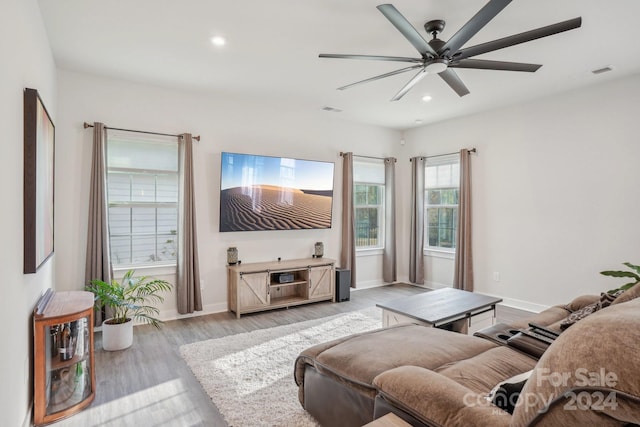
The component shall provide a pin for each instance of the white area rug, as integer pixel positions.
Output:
(249, 376)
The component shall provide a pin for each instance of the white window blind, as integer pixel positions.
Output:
(142, 192)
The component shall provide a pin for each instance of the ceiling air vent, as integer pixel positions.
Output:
(332, 109)
(603, 69)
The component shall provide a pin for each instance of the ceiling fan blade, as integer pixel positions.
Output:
(407, 30)
(381, 76)
(515, 39)
(475, 24)
(452, 79)
(484, 64)
(406, 88)
(370, 57)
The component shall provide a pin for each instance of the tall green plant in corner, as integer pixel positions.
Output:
(131, 298)
(635, 275)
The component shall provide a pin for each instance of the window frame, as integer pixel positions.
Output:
(441, 251)
(167, 266)
(380, 207)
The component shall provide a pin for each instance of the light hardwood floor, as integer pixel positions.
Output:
(150, 385)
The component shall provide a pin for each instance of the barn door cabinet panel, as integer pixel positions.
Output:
(268, 285)
(63, 370)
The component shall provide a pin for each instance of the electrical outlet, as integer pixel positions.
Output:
(496, 276)
(201, 283)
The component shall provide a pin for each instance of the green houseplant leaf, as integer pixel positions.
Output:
(630, 274)
(132, 298)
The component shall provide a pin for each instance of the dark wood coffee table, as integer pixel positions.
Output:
(446, 308)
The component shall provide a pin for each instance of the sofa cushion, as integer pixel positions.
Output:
(631, 293)
(586, 363)
(604, 301)
(480, 373)
(581, 301)
(436, 400)
(362, 357)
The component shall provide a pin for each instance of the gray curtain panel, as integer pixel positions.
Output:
(348, 247)
(389, 267)
(189, 298)
(416, 256)
(98, 261)
(463, 264)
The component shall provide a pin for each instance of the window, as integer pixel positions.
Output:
(442, 181)
(142, 195)
(368, 203)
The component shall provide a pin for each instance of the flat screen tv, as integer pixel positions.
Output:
(274, 193)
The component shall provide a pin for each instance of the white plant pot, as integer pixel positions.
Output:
(117, 336)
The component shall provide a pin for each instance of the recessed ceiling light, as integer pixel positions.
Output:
(427, 98)
(418, 121)
(218, 41)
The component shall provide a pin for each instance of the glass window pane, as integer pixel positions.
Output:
(366, 226)
(167, 188)
(432, 216)
(433, 197)
(143, 188)
(360, 195)
(143, 221)
(120, 250)
(119, 221)
(167, 247)
(144, 249)
(118, 185)
(167, 220)
(433, 236)
(446, 217)
(374, 195)
(447, 238)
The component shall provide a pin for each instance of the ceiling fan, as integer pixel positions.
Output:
(439, 57)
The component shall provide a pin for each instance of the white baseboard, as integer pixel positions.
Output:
(509, 302)
(207, 309)
(435, 285)
(520, 304)
(369, 284)
(167, 315)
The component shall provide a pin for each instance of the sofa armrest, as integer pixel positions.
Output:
(437, 400)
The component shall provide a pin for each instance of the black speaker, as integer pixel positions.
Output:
(343, 284)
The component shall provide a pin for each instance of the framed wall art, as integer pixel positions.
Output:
(39, 149)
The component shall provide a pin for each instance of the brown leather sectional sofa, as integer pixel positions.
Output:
(588, 376)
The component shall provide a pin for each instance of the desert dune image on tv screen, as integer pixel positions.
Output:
(274, 193)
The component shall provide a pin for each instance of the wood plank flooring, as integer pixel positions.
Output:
(150, 385)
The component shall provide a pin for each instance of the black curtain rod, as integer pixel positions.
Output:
(470, 150)
(87, 125)
(367, 157)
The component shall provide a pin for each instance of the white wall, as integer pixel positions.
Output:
(27, 62)
(554, 191)
(225, 123)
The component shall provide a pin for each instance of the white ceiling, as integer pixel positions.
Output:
(272, 50)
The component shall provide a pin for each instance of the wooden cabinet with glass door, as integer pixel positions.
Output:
(63, 369)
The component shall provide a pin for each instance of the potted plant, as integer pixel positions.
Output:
(128, 300)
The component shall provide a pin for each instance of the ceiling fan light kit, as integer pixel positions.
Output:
(440, 57)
